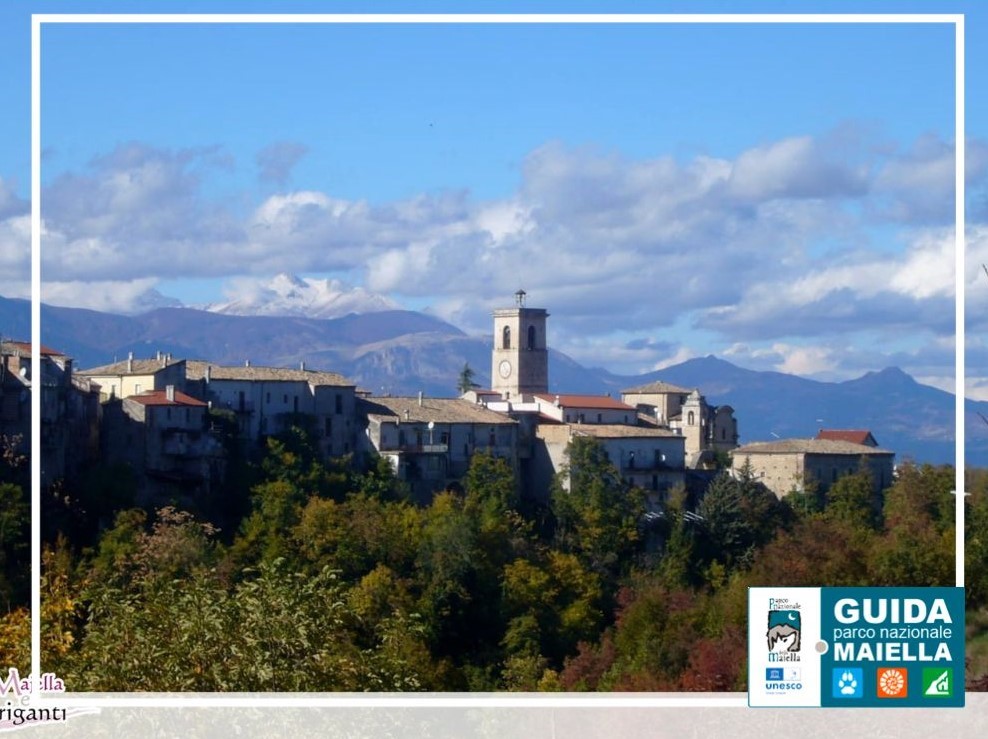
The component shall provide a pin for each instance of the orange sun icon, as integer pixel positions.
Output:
(892, 683)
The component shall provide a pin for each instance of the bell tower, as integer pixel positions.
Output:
(520, 360)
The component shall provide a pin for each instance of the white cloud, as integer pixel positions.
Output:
(112, 296)
(788, 243)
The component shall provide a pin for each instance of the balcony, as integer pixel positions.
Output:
(424, 448)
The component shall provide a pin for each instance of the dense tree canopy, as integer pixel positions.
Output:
(330, 578)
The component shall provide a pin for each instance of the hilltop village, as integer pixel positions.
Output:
(159, 417)
(217, 528)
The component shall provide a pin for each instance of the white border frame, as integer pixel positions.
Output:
(455, 700)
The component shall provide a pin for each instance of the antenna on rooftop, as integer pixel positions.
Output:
(520, 298)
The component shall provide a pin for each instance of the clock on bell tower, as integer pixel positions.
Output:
(520, 360)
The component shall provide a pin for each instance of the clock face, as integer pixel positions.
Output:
(504, 369)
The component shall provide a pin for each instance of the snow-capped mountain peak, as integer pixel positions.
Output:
(286, 294)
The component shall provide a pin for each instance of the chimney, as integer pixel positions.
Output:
(170, 393)
(406, 414)
(162, 359)
(158, 355)
(246, 363)
(130, 361)
(301, 365)
(209, 369)
(420, 398)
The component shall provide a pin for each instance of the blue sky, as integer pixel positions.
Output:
(777, 195)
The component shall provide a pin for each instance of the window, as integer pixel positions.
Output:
(690, 418)
(339, 403)
(600, 418)
(531, 337)
(268, 399)
(723, 434)
(285, 399)
(295, 404)
(329, 427)
(506, 338)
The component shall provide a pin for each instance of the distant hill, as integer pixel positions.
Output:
(914, 420)
(402, 352)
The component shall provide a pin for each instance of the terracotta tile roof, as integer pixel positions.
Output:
(601, 402)
(23, 349)
(160, 397)
(137, 367)
(439, 410)
(195, 369)
(657, 388)
(855, 436)
(809, 446)
(621, 431)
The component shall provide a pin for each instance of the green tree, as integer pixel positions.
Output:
(551, 604)
(465, 382)
(598, 517)
(738, 516)
(853, 499)
(15, 522)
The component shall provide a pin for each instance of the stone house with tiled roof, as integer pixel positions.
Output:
(855, 436)
(69, 408)
(266, 400)
(584, 408)
(134, 376)
(797, 464)
(163, 436)
(708, 429)
(648, 457)
(429, 441)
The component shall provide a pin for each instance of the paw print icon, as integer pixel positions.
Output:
(848, 682)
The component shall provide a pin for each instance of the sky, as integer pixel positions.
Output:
(780, 196)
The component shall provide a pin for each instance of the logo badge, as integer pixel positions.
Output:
(892, 682)
(938, 682)
(783, 631)
(774, 674)
(848, 682)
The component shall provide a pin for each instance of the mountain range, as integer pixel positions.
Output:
(402, 352)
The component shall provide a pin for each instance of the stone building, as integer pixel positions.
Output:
(69, 409)
(429, 441)
(708, 429)
(799, 464)
(163, 436)
(267, 400)
(520, 360)
(135, 376)
(650, 458)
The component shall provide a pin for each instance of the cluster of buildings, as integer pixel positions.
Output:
(153, 415)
